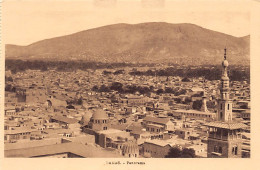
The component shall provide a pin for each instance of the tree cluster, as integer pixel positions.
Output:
(117, 72)
(23, 65)
(209, 73)
(176, 152)
(214, 73)
(116, 86)
(76, 101)
(132, 89)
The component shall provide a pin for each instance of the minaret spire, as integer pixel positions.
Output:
(225, 104)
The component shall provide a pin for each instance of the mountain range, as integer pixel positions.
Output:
(154, 42)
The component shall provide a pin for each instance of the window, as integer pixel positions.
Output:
(234, 150)
(221, 107)
(221, 115)
(228, 106)
(220, 149)
(215, 148)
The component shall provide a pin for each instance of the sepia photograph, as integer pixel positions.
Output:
(126, 79)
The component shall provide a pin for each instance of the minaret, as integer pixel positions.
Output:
(224, 104)
(204, 103)
(225, 139)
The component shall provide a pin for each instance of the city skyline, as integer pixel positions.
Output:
(114, 79)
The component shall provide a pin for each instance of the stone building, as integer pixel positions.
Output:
(99, 121)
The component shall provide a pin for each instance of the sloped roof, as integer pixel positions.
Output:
(72, 147)
(65, 119)
(157, 120)
(226, 125)
(18, 130)
(130, 148)
(99, 114)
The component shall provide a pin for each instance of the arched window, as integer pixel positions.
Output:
(228, 106)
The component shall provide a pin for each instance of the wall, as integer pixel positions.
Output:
(155, 151)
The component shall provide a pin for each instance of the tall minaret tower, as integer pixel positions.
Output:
(224, 104)
(225, 139)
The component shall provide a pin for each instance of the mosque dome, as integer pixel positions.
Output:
(225, 63)
(86, 117)
(130, 148)
(99, 114)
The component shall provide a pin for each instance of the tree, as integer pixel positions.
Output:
(188, 153)
(9, 79)
(185, 79)
(44, 67)
(70, 107)
(104, 88)
(118, 72)
(95, 88)
(113, 99)
(211, 104)
(159, 91)
(107, 72)
(8, 87)
(178, 100)
(174, 152)
(117, 86)
(80, 101)
(169, 90)
(197, 104)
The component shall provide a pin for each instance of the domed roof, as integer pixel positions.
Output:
(225, 63)
(130, 148)
(86, 117)
(99, 114)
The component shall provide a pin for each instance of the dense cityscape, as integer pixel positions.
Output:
(146, 111)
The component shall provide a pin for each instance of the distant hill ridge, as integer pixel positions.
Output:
(154, 42)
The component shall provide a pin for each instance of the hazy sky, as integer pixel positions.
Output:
(25, 22)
